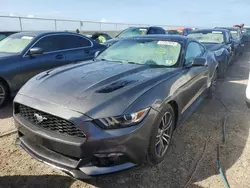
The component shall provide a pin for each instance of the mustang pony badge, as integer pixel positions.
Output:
(40, 118)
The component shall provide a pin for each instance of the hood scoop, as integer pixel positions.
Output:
(115, 86)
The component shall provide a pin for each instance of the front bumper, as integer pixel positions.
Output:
(74, 155)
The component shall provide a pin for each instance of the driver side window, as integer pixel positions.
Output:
(193, 51)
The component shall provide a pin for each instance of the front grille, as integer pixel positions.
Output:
(48, 121)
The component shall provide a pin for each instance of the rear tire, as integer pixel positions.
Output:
(161, 135)
(223, 68)
(3, 94)
(211, 89)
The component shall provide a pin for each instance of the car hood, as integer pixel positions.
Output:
(97, 89)
(213, 47)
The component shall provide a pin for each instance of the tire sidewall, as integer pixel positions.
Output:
(6, 94)
(152, 157)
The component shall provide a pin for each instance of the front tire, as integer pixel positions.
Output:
(3, 94)
(211, 89)
(161, 135)
(223, 68)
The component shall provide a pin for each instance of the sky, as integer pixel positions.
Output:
(195, 13)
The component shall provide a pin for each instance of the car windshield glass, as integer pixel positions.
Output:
(174, 32)
(246, 31)
(15, 44)
(234, 34)
(2, 37)
(143, 51)
(208, 37)
(130, 32)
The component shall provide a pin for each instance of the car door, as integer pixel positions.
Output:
(196, 77)
(229, 44)
(53, 56)
(78, 48)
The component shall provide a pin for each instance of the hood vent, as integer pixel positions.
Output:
(115, 86)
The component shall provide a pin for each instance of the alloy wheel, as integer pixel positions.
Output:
(164, 134)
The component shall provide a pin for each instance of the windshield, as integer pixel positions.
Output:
(15, 44)
(174, 32)
(143, 51)
(2, 36)
(234, 34)
(208, 37)
(130, 32)
(246, 31)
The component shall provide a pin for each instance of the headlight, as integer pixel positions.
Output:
(123, 120)
(219, 52)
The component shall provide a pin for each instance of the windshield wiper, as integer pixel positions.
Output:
(156, 66)
(110, 60)
(131, 62)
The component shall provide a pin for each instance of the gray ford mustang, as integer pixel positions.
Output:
(117, 111)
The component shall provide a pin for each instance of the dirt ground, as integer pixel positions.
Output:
(190, 162)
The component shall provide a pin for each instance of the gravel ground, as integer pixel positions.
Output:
(190, 162)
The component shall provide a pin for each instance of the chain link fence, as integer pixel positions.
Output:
(14, 23)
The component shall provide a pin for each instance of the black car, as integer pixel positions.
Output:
(135, 31)
(237, 38)
(218, 41)
(25, 54)
(117, 111)
(4, 34)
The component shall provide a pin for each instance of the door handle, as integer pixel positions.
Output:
(59, 56)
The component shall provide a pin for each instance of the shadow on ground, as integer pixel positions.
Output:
(48, 181)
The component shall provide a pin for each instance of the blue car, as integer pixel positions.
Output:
(25, 54)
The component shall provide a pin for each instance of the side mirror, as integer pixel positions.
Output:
(96, 54)
(198, 62)
(35, 51)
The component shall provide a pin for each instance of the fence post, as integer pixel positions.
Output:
(100, 26)
(20, 21)
(55, 26)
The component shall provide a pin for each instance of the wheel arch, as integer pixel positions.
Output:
(175, 107)
(5, 83)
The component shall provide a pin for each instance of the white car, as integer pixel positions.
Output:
(248, 92)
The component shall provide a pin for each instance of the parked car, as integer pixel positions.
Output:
(181, 31)
(237, 38)
(219, 42)
(135, 31)
(246, 34)
(25, 54)
(248, 92)
(100, 37)
(4, 34)
(85, 119)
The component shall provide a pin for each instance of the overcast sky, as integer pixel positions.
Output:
(155, 12)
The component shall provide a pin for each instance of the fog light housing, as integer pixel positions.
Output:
(109, 159)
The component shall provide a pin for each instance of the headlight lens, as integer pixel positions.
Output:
(218, 52)
(123, 120)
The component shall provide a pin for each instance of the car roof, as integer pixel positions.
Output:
(177, 28)
(163, 37)
(208, 30)
(41, 33)
(228, 28)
